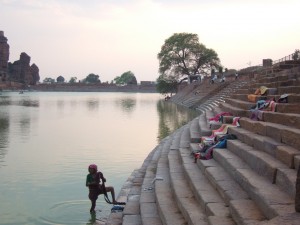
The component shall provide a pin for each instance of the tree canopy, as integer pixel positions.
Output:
(60, 79)
(92, 78)
(73, 80)
(165, 86)
(183, 55)
(126, 78)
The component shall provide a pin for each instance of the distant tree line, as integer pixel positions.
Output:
(124, 79)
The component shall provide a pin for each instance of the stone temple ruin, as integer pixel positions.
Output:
(19, 71)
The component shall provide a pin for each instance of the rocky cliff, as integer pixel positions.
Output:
(4, 56)
(18, 71)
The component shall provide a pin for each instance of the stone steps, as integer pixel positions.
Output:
(188, 205)
(242, 209)
(270, 199)
(287, 108)
(195, 130)
(234, 110)
(216, 99)
(148, 207)
(284, 134)
(265, 165)
(286, 119)
(198, 186)
(268, 79)
(275, 84)
(167, 207)
(289, 89)
(283, 152)
(293, 98)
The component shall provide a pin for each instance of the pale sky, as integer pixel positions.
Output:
(108, 38)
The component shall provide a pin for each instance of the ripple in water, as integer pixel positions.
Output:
(74, 212)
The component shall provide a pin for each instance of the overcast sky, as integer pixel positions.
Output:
(109, 37)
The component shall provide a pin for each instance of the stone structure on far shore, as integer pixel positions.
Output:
(4, 56)
(19, 71)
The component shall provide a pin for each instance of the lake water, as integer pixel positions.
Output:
(47, 141)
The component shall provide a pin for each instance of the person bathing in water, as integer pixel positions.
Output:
(95, 182)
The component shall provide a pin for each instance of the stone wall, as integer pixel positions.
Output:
(80, 87)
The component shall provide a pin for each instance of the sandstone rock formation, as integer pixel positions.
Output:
(18, 71)
(21, 70)
(4, 56)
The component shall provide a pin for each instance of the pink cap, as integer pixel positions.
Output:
(93, 166)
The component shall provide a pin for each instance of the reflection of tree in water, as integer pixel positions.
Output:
(127, 104)
(29, 103)
(93, 104)
(24, 127)
(26, 101)
(4, 139)
(5, 100)
(172, 116)
(60, 104)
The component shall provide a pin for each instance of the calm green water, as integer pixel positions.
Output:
(47, 141)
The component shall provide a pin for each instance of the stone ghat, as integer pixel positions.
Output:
(251, 181)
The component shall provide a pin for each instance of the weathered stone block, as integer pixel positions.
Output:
(274, 131)
(244, 210)
(258, 142)
(286, 180)
(132, 220)
(217, 209)
(259, 128)
(149, 210)
(246, 124)
(286, 154)
(291, 137)
(219, 220)
(270, 146)
(132, 208)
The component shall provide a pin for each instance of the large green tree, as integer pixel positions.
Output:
(183, 55)
(166, 86)
(126, 78)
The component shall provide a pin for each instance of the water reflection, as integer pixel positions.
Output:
(60, 104)
(127, 104)
(93, 104)
(23, 101)
(5, 100)
(24, 127)
(4, 137)
(172, 116)
(28, 103)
